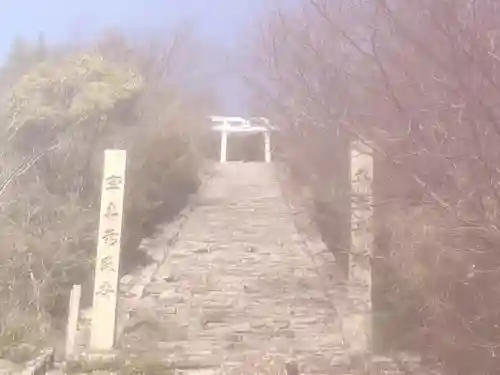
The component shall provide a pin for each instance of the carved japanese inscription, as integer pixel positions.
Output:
(102, 335)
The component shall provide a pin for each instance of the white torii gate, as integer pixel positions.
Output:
(226, 125)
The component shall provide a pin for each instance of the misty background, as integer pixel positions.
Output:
(417, 80)
(221, 24)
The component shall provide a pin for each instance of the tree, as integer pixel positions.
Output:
(63, 103)
(418, 79)
(23, 54)
(57, 117)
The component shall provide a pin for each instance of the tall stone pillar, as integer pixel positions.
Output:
(102, 333)
(357, 325)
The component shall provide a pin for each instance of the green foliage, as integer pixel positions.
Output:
(149, 366)
(21, 57)
(77, 88)
(23, 53)
(58, 117)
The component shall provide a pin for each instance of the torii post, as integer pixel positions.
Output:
(237, 125)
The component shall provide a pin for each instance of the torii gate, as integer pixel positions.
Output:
(226, 125)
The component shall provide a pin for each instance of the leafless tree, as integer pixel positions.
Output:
(419, 79)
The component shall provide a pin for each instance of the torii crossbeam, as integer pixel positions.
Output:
(227, 125)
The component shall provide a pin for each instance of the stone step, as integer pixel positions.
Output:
(237, 285)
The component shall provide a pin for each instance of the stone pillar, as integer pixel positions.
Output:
(267, 146)
(223, 147)
(72, 325)
(358, 323)
(102, 334)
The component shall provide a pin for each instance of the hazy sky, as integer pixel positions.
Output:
(220, 21)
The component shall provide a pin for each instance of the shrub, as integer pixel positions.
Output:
(59, 116)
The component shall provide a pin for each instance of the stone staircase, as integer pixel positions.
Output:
(238, 287)
(242, 284)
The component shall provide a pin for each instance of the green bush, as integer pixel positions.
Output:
(61, 112)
